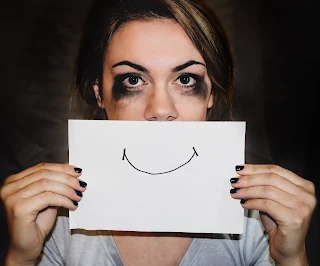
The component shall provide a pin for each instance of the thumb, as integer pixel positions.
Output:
(46, 219)
(268, 222)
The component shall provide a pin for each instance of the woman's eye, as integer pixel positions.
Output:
(186, 81)
(133, 81)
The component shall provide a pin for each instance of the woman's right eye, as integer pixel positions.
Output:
(133, 81)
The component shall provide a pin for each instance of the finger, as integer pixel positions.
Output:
(45, 174)
(47, 185)
(268, 179)
(267, 192)
(252, 169)
(268, 222)
(64, 168)
(281, 214)
(29, 208)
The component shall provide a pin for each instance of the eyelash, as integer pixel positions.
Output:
(188, 75)
(122, 77)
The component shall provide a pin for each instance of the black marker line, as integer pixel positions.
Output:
(125, 157)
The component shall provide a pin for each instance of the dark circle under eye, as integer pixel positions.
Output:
(133, 80)
(184, 79)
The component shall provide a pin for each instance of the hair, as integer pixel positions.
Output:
(198, 20)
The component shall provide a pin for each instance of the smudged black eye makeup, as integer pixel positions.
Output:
(126, 85)
(192, 84)
(130, 84)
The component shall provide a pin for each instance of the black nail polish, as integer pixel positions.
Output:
(82, 183)
(77, 170)
(243, 201)
(79, 193)
(234, 190)
(239, 167)
(75, 203)
(234, 180)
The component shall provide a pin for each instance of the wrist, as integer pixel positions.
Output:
(299, 260)
(13, 259)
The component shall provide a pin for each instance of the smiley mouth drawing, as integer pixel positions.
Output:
(159, 173)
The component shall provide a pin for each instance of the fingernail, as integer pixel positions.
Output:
(75, 203)
(79, 193)
(234, 190)
(234, 180)
(239, 167)
(243, 201)
(82, 183)
(77, 170)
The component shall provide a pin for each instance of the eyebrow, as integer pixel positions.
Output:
(187, 64)
(133, 65)
(143, 69)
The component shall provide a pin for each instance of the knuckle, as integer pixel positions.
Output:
(66, 168)
(275, 168)
(42, 165)
(311, 187)
(245, 180)
(44, 173)
(272, 177)
(242, 192)
(298, 205)
(44, 183)
(9, 179)
(18, 210)
(312, 202)
(65, 190)
(268, 191)
(46, 195)
(298, 219)
(253, 168)
(3, 193)
(268, 204)
(8, 202)
(275, 180)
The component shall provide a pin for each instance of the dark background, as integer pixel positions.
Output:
(277, 51)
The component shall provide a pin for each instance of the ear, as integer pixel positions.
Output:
(97, 94)
(210, 101)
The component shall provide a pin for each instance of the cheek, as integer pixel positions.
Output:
(119, 109)
(192, 110)
(126, 109)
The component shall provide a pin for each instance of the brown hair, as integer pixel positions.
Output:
(197, 19)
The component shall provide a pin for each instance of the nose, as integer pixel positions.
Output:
(160, 106)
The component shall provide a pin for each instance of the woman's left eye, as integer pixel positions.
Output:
(186, 81)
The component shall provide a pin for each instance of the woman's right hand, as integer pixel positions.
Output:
(31, 198)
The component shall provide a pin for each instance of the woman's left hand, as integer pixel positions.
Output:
(286, 202)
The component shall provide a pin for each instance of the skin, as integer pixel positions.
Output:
(286, 202)
(31, 196)
(161, 98)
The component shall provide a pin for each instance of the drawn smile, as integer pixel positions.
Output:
(160, 173)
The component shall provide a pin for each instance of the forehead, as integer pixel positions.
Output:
(156, 41)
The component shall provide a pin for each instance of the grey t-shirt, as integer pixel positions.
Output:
(80, 247)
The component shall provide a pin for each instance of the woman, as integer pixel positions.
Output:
(156, 61)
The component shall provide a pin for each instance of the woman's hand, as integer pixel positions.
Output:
(286, 203)
(31, 198)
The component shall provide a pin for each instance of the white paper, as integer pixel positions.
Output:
(157, 176)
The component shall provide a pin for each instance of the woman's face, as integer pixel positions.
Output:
(152, 71)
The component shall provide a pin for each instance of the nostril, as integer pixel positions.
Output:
(152, 119)
(171, 118)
